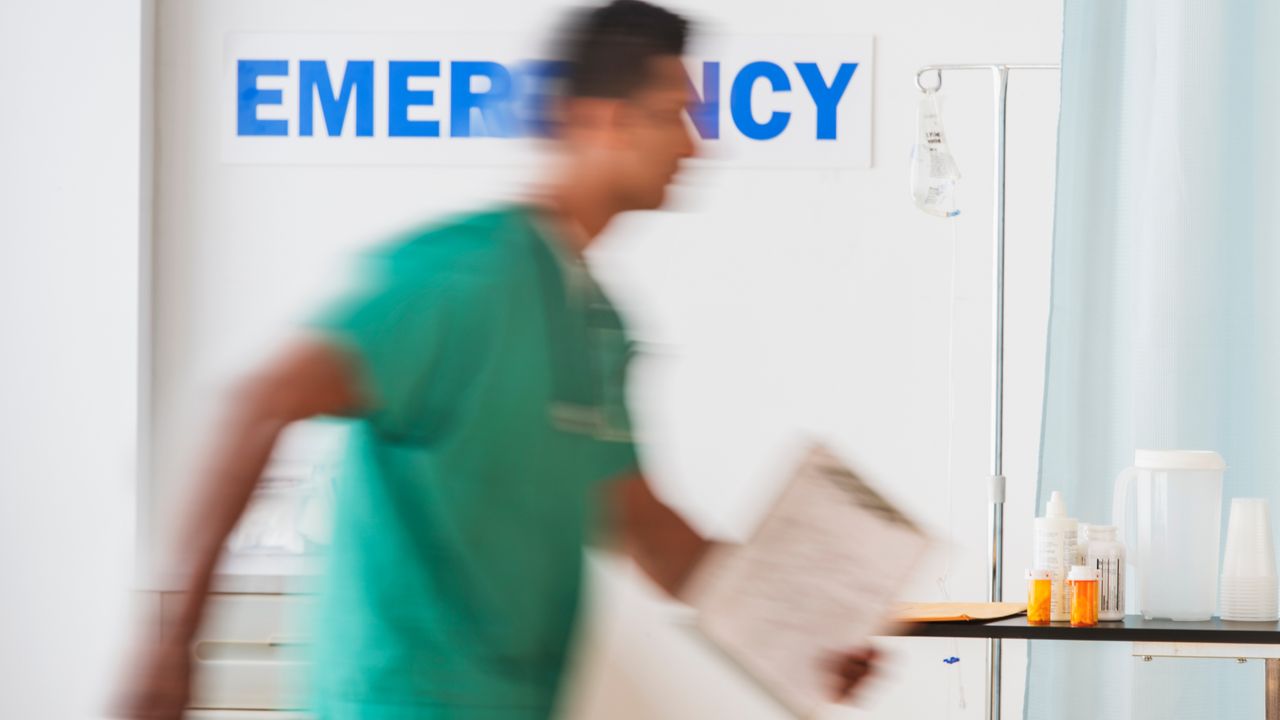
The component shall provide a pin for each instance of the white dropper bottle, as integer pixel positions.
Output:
(1056, 551)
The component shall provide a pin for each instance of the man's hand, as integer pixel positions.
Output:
(157, 685)
(849, 671)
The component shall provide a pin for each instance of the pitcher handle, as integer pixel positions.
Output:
(1120, 507)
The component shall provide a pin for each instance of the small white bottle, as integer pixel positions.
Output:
(1055, 550)
(1106, 553)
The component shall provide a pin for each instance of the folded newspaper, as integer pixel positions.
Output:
(818, 578)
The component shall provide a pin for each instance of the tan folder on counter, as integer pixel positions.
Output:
(956, 612)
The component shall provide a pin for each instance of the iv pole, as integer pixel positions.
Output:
(996, 481)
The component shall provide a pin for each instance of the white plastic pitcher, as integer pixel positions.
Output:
(1178, 530)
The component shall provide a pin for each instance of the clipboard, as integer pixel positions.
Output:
(817, 578)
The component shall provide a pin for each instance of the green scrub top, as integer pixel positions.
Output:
(496, 368)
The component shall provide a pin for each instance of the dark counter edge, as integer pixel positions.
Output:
(1132, 629)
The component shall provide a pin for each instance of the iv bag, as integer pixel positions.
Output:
(933, 171)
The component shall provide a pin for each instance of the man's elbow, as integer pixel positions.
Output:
(308, 380)
(260, 404)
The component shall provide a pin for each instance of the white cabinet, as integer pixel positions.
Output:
(250, 654)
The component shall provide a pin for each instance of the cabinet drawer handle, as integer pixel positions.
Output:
(278, 640)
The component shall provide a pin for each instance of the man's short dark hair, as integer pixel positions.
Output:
(607, 50)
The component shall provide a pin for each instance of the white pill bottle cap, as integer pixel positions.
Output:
(1082, 572)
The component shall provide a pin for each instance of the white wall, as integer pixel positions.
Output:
(778, 303)
(69, 221)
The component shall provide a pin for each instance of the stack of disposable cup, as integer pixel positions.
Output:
(1250, 589)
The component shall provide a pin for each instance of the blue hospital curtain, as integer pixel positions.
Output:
(1165, 315)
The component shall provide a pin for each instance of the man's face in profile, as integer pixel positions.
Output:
(651, 136)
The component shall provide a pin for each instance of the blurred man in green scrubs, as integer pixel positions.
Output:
(484, 371)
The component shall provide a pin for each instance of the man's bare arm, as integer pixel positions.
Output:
(659, 540)
(311, 378)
